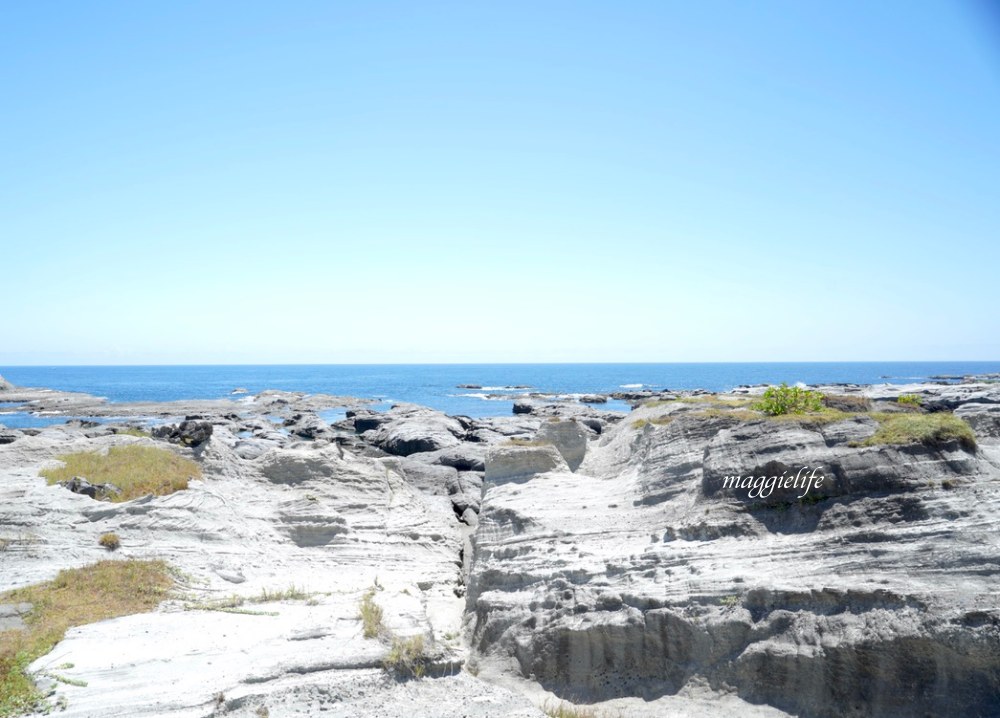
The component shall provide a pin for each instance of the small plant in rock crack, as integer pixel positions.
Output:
(371, 615)
(407, 657)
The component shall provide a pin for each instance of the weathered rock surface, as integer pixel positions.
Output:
(411, 430)
(639, 576)
(510, 462)
(569, 437)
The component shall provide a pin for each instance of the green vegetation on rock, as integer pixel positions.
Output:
(784, 399)
(931, 429)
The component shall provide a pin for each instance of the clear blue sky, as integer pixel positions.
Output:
(557, 181)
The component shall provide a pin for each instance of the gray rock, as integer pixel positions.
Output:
(12, 614)
(569, 437)
(983, 418)
(367, 420)
(646, 578)
(412, 430)
(509, 462)
(464, 457)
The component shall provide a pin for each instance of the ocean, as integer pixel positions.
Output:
(437, 385)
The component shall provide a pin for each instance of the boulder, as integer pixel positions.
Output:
(9, 436)
(411, 431)
(189, 432)
(569, 437)
(521, 461)
(100, 492)
(464, 457)
(524, 407)
(983, 418)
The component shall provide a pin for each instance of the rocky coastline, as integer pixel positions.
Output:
(565, 554)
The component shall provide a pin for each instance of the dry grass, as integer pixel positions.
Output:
(110, 541)
(528, 442)
(133, 431)
(931, 429)
(568, 710)
(103, 590)
(734, 402)
(655, 421)
(370, 614)
(736, 414)
(136, 470)
(407, 657)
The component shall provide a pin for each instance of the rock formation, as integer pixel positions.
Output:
(562, 554)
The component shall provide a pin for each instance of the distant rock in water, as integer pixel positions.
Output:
(239, 390)
(5, 385)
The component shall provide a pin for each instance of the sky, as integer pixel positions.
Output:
(326, 182)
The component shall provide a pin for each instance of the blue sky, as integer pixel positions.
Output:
(560, 181)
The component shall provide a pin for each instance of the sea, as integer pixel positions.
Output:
(440, 386)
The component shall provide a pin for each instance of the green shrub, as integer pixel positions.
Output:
(909, 400)
(784, 399)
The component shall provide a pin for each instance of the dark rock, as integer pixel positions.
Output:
(524, 407)
(100, 492)
(367, 420)
(188, 433)
(411, 430)
(9, 436)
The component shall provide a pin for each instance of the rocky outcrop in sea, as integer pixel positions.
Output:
(671, 561)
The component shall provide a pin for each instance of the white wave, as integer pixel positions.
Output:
(506, 388)
(631, 386)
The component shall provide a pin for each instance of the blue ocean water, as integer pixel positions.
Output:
(436, 385)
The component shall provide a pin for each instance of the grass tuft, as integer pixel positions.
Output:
(110, 541)
(568, 710)
(136, 470)
(407, 657)
(655, 421)
(371, 615)
(931, 429)
(75, 597)
(909, 400)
